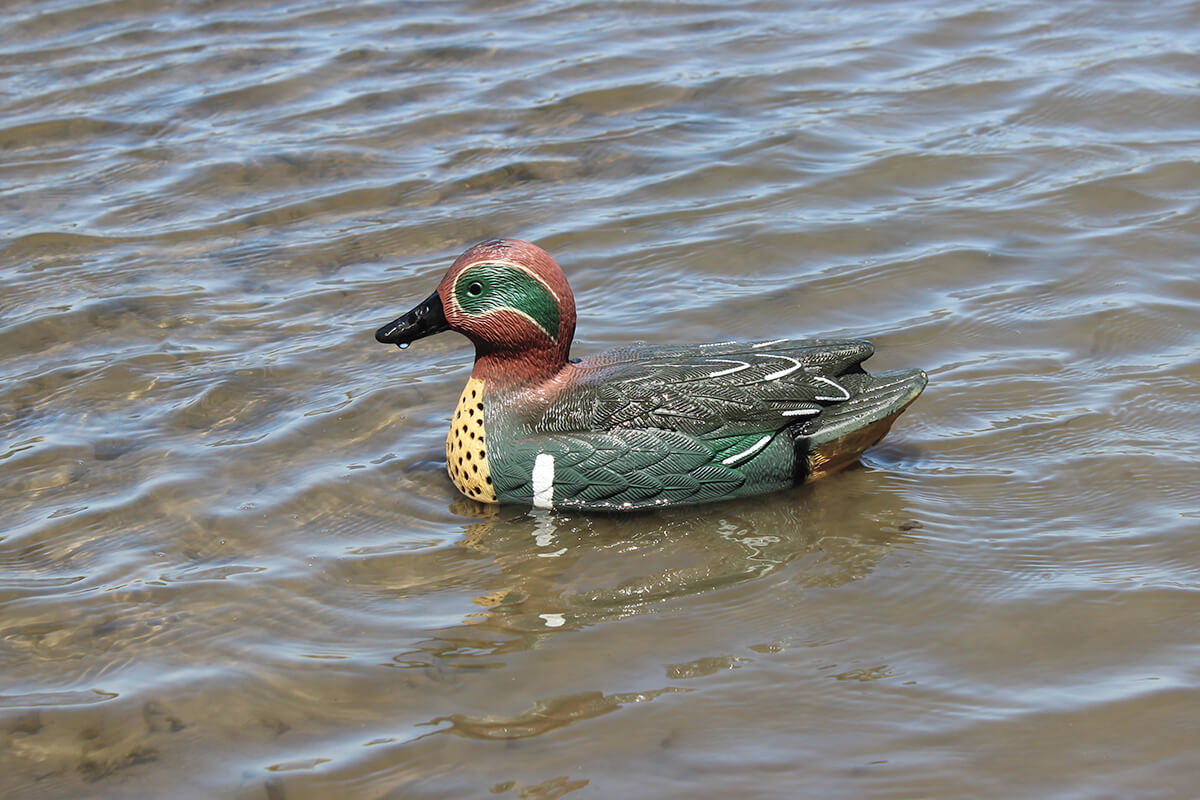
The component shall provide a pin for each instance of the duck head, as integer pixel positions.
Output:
(511, 299)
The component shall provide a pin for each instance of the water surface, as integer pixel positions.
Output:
(231, 563)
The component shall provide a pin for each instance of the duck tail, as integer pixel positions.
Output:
(848, 428)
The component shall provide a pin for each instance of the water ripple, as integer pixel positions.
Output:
(231, 559)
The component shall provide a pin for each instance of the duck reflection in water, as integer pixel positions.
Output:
(563, 571)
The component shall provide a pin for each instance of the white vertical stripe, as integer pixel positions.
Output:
(543, 481)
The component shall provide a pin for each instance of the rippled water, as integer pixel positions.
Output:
(232, 565)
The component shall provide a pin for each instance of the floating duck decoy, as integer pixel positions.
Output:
(641, 426)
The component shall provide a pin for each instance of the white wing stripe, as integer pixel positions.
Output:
(731, 370)
(801, 412)
(749, 451)
(783, 372)
(838, 386)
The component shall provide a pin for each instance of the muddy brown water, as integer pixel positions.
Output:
(232, 565)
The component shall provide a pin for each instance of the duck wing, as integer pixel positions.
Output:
(713, 391)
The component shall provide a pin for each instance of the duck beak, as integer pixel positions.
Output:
(424, 320)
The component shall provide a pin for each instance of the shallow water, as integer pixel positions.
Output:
(232, 564)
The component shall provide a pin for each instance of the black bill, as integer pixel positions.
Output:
(424, 320)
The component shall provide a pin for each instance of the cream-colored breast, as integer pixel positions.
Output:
(466, 447)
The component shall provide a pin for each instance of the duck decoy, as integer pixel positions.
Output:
(641, 426)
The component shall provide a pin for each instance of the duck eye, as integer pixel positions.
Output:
(475, 288)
